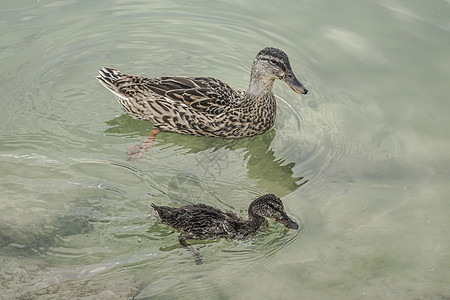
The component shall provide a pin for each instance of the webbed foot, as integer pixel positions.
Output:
(135, 152)
(194, 252)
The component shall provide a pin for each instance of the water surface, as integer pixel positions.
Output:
(362, 161)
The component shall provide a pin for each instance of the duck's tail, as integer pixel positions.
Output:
(165, 214)
(108, 78)
(155, 209)
(160, 212)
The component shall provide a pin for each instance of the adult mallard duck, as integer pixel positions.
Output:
(204, 222)
(203, 106)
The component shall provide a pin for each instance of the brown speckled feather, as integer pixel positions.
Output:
(204, 106)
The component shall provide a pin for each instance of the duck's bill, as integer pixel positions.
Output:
(286, 221)
(293, 83)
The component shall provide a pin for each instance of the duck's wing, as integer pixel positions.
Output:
(204, 94)
(202, 222)
(197, 221)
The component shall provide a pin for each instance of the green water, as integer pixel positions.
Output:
(362, 160)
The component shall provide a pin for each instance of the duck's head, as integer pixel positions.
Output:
(272, 63)
(270, 206)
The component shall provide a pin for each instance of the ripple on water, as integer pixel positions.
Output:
(316, 136)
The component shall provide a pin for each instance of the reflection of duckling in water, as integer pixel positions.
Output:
(204, 222)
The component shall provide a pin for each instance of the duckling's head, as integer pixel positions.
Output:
(270, 206)
(272, 63)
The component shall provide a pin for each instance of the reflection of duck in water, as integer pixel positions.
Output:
(271, 171)
(204, 222)
(203, 106)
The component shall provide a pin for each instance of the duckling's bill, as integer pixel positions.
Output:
(286, 221)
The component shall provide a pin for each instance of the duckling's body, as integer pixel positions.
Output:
(203, 222)
(203, 106)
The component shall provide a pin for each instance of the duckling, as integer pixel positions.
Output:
(204, 222)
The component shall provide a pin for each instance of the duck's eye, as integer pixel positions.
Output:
(273, 61)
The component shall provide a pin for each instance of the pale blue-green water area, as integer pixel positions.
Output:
(362, 161)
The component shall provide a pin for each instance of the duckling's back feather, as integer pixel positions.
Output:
(200, 221)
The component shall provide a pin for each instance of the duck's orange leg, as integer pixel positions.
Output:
(135, 152)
